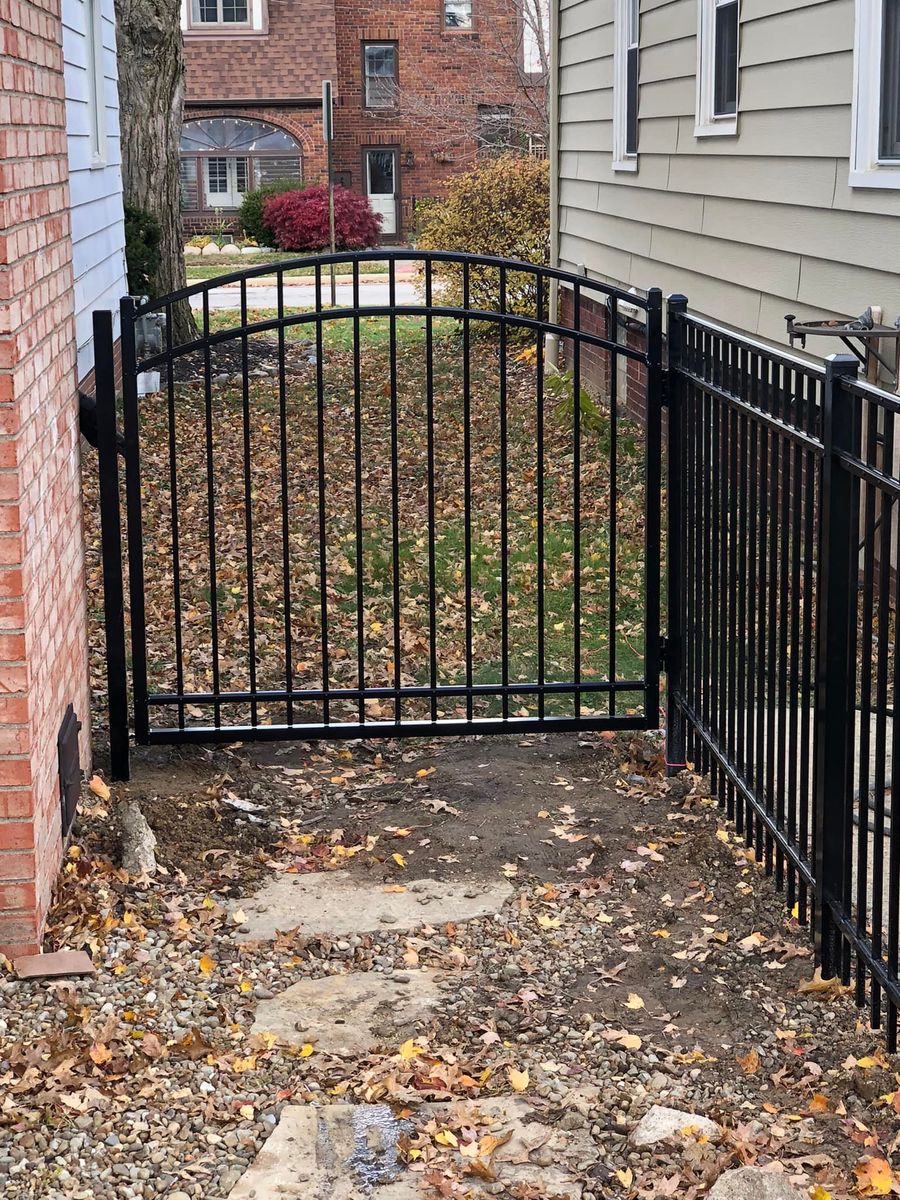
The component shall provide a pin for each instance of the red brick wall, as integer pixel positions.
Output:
(443, 75)
(43, 641)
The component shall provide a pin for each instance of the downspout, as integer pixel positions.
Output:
(552, 347)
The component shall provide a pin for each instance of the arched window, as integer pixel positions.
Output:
(224, 157)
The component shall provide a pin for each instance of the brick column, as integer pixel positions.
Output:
(43, 642)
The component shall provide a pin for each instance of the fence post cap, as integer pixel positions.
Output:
(841, 364)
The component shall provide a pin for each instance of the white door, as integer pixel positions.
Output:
(381, 187)
(226, 181)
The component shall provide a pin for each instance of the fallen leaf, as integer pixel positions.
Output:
(518, 1080)
(874, 1177)
(634, 1001)
(99, 788)
(749, 1062)
(399, 859)
(409, 1050)
(207, 964)
(823, 989)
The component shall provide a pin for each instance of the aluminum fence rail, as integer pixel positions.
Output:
(782, 647)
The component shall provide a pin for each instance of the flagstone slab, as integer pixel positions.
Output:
(338, 903)
(349, 1152)
(337, 1152)
(545, 1157)
(352, 1013)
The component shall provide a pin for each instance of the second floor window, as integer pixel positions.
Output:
(626, 66)
(380, 72)
(875, 123)
(219, 12)
(725, 66)
(717, 67)
(889, 147)
(457, 14)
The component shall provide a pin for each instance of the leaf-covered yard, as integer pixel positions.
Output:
(309, 532)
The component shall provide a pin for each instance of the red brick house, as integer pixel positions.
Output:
(421, 86)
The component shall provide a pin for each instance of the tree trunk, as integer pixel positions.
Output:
(151, 100)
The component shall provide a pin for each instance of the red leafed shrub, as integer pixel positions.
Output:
(299, 220)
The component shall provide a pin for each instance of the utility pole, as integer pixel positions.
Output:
(328, 131)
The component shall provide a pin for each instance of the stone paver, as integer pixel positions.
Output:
(348, 1152)
(353, 1013)
(337, 1152)
(751, 1183)
(660, 1123)
(336, 903)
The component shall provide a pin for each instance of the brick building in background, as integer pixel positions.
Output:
(421, 87)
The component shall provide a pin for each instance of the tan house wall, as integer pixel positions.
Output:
(752, 226)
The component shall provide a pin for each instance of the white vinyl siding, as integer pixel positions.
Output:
(749, 227)
(95, 171)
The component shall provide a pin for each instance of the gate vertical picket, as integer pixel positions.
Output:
(675, 722)
(111, 545)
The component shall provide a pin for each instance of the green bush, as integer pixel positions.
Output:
(501, 207)
(142, 255)
(251, 214)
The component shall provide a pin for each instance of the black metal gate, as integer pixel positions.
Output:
(423, 510)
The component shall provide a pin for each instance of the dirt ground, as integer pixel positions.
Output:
(644, 954)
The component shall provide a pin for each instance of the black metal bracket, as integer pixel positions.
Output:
(860, 328)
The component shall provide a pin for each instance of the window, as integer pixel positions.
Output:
(717, 68)
(380, 74)
(222, 158)
(457, 14)
(219, 12)
(96, 82)
(875, 134)
(495, 129)
(219, 18)
(625, 74)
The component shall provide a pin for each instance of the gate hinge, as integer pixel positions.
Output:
(663, 653)
(664, 392)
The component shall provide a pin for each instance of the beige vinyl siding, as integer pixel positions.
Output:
(749, 227)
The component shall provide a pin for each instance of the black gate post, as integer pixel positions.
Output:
(675, 722)
(653, 517)
(835, 710)
(111, 543)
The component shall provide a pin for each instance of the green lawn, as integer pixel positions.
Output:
(363, 543)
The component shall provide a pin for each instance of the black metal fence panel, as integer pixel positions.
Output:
(437, 512)
(783, 481)
(393, 515)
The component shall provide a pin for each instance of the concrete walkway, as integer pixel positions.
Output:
(303, 295)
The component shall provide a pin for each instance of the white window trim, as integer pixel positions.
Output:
(621, 159)
(707, 123)
(96, 80)
(866, 168)
(256, 24)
